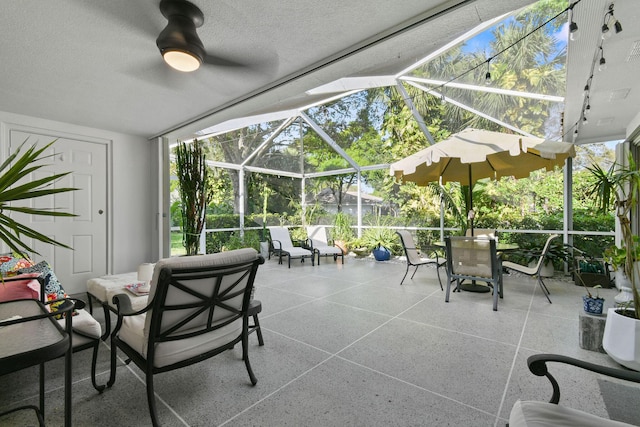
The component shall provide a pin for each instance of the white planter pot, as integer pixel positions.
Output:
(625, 295)
(547, 269)
(621, 279)
(621, 339)
(264, 249)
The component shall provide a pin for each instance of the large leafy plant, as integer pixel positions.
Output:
(622, 185)
(15, 187)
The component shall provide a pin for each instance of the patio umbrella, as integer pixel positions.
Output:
(474, 154)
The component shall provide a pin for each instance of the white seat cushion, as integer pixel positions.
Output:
(328, 250)
(297, 252)
(99, 286)
(169, 352)
(543, 414)
(84, 323)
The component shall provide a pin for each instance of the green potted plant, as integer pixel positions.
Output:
(13, 190)
(382, 241)
(342, 233)
(617, 257)
(195, 194)
(556, 255)
(621, 183)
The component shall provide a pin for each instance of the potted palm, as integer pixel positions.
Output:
(621, 183)
(195, 194)
(14, 189)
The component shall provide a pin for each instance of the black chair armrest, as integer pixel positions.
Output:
(308, 244)
(124, 307)
(538, 366)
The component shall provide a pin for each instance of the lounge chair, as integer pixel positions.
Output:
(320, 244)
(282, 246)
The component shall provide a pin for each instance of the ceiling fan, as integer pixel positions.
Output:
(179, 44)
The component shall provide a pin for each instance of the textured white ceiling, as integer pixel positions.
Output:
(614, 92)
(95, 62)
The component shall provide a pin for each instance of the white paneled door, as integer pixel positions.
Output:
(86, 233)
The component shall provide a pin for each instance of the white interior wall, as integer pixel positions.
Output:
(131, 191)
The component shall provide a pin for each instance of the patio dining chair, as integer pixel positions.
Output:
(321, 245)
(473, 259)
(482, 233)
(282, 246)
(414, 259)
(535, 270)
(198, 307)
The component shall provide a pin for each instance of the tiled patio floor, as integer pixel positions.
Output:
(347, 345)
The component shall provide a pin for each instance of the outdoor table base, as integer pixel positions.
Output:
(474, 287)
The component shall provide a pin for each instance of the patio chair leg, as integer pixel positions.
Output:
(256, 322)
(414, 271)
(245, 357)
(152, 400)
(405, 274)
(94, 360)
(545, 291)
(439, 279)
(449, 281)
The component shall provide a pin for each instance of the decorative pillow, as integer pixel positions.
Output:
(52, 288)
(11, 263)
(25, 287)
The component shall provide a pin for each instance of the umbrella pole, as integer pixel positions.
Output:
(441, 216)
(470, 213)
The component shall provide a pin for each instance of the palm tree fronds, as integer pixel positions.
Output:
(17, 168)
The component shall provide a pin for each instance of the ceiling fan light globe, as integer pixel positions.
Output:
(181, 61)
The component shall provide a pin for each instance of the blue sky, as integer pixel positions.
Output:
(482, 40)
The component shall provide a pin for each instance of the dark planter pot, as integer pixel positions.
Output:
(593, 305)
(381, 254)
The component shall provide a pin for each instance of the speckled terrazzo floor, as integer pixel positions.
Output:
(347, 345)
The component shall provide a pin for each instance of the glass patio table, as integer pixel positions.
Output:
(29, 335)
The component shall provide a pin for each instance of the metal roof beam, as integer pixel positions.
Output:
(487, 89)
(414, 111)
(473, 110)
(325, 136)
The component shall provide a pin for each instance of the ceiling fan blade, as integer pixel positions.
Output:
(266, 66)
(222, 62)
